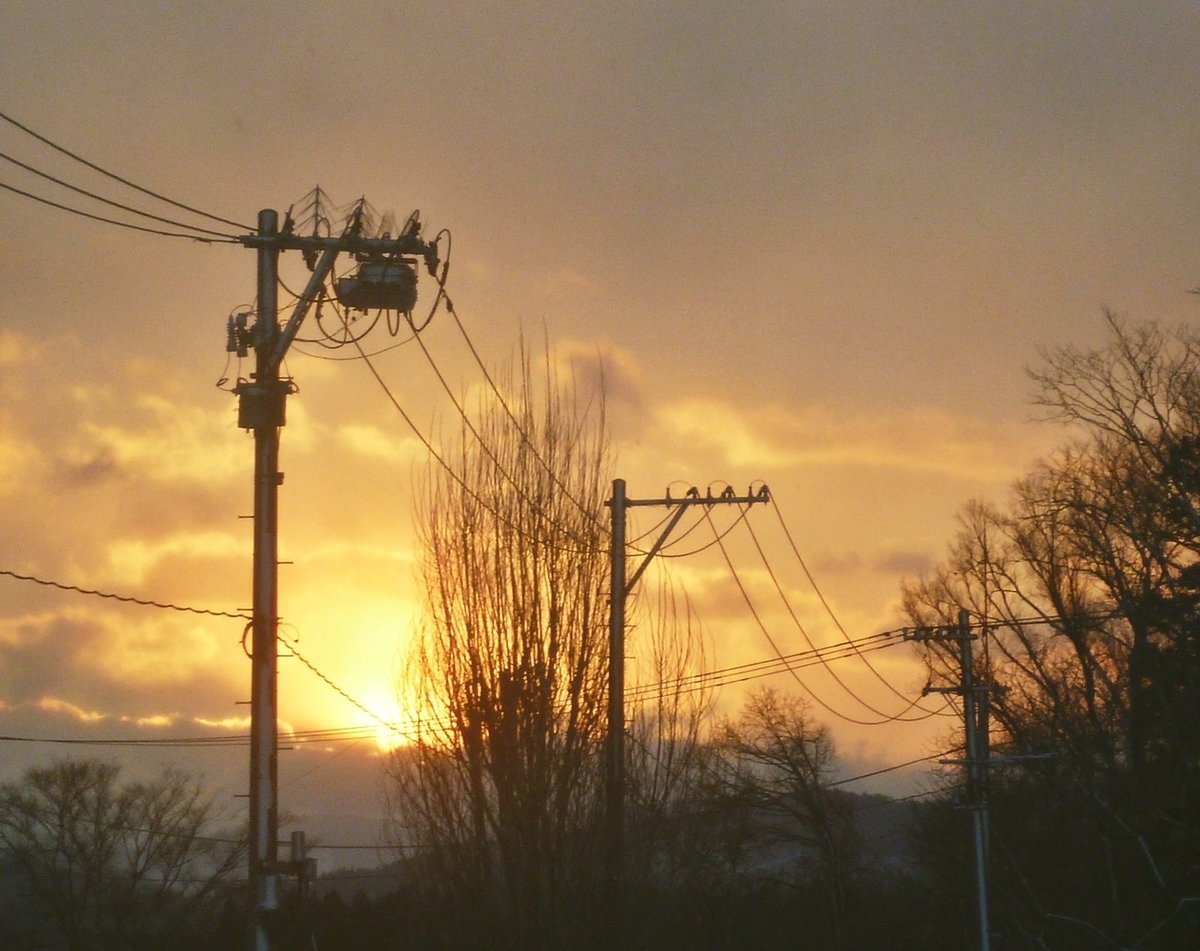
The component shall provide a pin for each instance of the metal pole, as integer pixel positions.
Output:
(266, 395)
(615, 786)
(975, 767)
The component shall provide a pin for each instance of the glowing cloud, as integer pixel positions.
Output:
(179, 443)
(922, 440)
(55, 705)
(373, 443)
(131, 560)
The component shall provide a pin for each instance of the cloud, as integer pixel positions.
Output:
(921, 440)
(224, 723)
(358, 554)
(55, 705)
(101, 467)
(371, 442)
(891, 562)
(157, 720)
(908, 563)
(131, 560)
(17, 458)
(171, 443)
(105, 663)
(602, 366)
(564, 280)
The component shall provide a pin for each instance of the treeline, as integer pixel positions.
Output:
(1087, 583)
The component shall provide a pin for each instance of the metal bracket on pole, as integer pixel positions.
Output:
(320, 272)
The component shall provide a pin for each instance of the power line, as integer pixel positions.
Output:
(188, 741)
(738, 673)
(334, 734)
(803, 633)
(507, 409)
(892, 769)
(120, 597)
(424, 440)
(296, 780)
(114, 221)
(329, 683)
(669, 551)
(890, 802)
(824, 603)
(774, 646)
(109, 201)
(754, 670)
(486, 448)
(118, 178)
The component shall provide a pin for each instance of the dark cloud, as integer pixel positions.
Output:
(828, 564)
(906, 563)
(39, 655)
(101, 468)
(601, 368)
(116, 665)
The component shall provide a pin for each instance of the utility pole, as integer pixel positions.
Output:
(261, 408)
(974, 700)
(614, 788)
(385, 280)
(975, 741)
(618, 596)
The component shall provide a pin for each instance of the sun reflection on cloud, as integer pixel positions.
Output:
(179, 443)
(55, 705)
(924, 439)
(131, 560)
(162, 650)
(372, 442)
(225, 723)
(157, 720)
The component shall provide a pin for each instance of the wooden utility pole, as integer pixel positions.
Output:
(388, 280)
(974, 701)
(261, 408)
(620, 587)
(975, 742)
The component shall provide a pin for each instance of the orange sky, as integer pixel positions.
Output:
(816, 245)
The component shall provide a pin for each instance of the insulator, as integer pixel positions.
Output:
(241, 335)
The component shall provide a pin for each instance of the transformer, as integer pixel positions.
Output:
(380, 284)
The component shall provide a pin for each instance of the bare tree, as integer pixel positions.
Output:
(501, 791)
(668, 755)
(776, 768)
(1090, 582)
(106, 864)
(500, 788)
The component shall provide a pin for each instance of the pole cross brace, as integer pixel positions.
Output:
(692, 497)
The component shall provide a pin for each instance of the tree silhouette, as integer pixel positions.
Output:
(103, 864)
(500, 789)
(1090, 582)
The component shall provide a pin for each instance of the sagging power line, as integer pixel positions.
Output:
(117, 178)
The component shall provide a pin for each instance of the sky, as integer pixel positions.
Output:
(814, 245)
